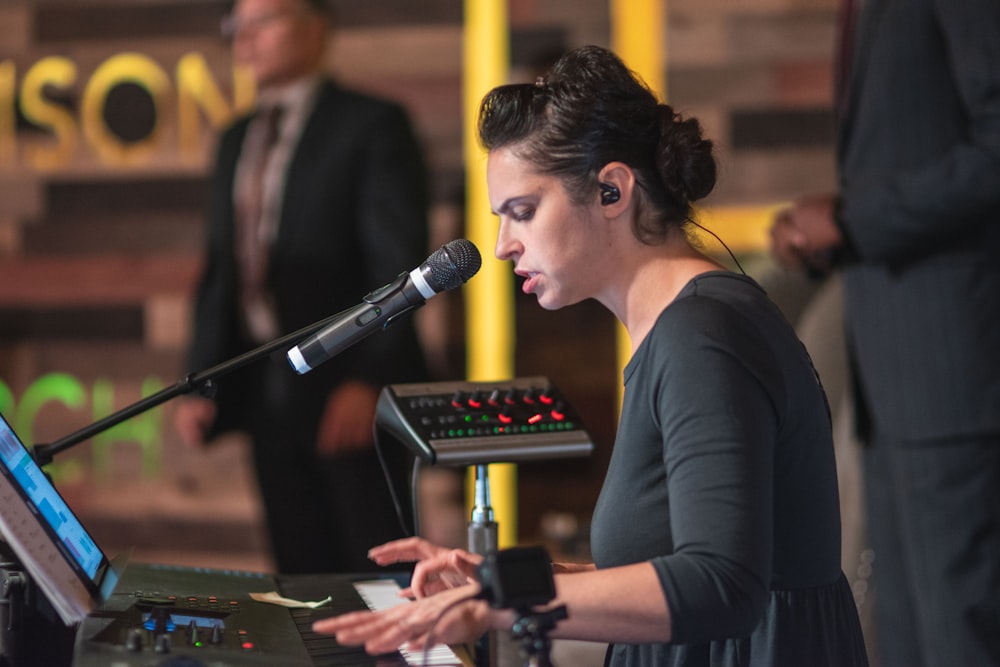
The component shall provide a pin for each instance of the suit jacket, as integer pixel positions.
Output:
(919, 160)
(353, 216)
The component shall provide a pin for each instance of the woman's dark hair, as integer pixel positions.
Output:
(591, 110)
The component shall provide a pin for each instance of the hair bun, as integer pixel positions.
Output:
(685, 159)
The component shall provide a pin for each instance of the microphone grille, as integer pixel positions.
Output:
(452, 264)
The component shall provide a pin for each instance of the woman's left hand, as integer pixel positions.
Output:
(438, 568)
(452, 616)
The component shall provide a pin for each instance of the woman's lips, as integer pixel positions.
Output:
(530, 281)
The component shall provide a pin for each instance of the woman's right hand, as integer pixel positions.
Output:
(454, 617)
(438, 568)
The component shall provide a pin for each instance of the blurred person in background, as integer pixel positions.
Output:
(318, 197)
(914, 231)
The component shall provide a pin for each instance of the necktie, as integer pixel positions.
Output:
(251, 241)
(847, 21)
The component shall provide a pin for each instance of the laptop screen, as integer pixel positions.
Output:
(37, 523)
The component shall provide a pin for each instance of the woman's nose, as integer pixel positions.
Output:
(505, 245)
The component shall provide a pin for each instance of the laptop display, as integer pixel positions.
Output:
(45, 534)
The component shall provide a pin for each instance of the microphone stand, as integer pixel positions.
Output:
(482, 535)
(202, 381)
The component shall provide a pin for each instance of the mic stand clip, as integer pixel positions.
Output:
(389, 292)
(531, 629)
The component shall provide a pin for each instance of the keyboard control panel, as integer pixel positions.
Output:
(471, 423)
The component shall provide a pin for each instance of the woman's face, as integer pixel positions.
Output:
(556, 245)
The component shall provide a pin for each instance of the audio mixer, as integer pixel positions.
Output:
(471, 423)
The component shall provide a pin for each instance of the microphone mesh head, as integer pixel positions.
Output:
(452, 264)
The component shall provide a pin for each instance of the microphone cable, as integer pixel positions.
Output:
(414, 478)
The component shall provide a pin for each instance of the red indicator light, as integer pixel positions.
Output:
(558, 416)
(534, 419)
(473, 403)
(546, 398)
(247, 646)
(505, 419)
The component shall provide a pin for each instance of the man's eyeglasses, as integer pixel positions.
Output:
(232, 25)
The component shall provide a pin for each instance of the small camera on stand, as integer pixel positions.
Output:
(520, 578)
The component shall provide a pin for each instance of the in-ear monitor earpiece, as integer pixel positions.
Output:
(609, 194)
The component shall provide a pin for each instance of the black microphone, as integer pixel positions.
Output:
(448, 267)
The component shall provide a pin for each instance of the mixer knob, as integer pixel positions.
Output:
(162, 644)
(133, 642)
(506, 415)
(161, 621)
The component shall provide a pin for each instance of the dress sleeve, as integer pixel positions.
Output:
(716, 404)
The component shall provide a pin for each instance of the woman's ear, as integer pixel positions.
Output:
(616, 182)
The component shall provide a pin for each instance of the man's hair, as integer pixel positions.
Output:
(324, 7)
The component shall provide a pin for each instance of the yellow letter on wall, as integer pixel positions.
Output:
(8, 139)
(130, 68)
(51, 71)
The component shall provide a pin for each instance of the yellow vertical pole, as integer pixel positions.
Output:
(639, 37)
(489, 297)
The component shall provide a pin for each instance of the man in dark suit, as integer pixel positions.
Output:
(916, 230)
(318, 197)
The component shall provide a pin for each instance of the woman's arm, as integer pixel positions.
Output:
(620, 604)
(623, 604)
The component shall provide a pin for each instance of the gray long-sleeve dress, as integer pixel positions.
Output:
(723, 476)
